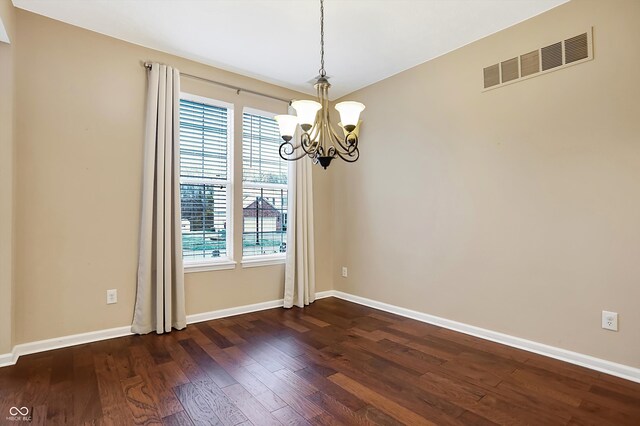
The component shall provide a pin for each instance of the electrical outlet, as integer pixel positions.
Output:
(112, 296)
(344, 272)
(610, 320)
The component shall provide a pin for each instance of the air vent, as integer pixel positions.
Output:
(510, 70)
(530, 63)
(491, 76)
(576, 48)
(552, 57)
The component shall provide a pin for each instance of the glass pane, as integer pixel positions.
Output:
(261, 160)
(204, 221)
(203, 140)
(264, 214)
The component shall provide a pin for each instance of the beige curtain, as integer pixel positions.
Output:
(299, 279)
(160, 292)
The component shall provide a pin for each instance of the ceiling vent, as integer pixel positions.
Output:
(552, 57)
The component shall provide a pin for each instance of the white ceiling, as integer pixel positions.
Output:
(278, 40)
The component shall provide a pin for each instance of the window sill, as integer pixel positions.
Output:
(209, 266)
(265, 260)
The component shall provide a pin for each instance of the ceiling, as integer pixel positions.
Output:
(278, 40)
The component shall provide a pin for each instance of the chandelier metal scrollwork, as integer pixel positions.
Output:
(318, 139)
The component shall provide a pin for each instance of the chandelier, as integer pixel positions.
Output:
(318, 139)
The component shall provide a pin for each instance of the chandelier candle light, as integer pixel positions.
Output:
(319, 140)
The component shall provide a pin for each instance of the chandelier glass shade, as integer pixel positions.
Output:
(319, 139)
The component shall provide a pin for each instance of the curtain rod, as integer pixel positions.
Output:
(147, 65)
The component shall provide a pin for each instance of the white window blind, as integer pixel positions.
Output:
(204, 180)
(264, 187)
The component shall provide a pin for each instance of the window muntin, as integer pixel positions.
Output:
(264, 187)
(205, 135)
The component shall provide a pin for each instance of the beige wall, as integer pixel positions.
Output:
(80, 116)
(6, 178)
(516, 209)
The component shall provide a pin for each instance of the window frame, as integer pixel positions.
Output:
(250, 261)
(226, 262)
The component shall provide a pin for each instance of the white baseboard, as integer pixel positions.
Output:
(7, 359)
(94, 336)
(604, 366)
(223, 313)
(323, 294)
(61, 342)
(229, 312)
(593, 363)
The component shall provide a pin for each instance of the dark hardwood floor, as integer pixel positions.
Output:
(332, 363)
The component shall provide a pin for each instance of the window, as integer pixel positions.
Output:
(205, 186)
(264, 187)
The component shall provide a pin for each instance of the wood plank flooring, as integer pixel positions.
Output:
(333, 363)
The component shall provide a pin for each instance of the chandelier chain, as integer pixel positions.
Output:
(319, 139)
(322, 71)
